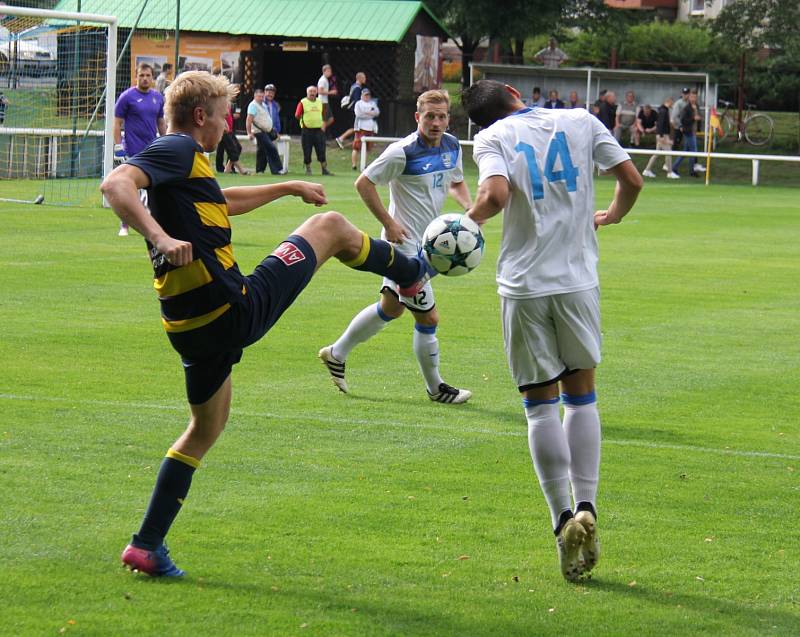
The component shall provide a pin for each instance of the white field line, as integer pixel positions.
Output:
(432, 426)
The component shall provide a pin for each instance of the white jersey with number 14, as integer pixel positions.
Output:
(549, 244)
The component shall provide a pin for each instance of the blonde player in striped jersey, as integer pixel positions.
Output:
(421, 170)
(536, 165)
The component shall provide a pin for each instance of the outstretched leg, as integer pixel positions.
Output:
(331, 235)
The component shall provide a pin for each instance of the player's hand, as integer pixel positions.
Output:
(312, 193)
(175, 251)
(395, 233)
(605, 218)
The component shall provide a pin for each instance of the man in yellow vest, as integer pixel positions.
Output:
(309, 114)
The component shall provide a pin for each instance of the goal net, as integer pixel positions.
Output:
(55, 70)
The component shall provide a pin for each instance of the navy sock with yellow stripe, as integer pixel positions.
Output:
(380, 257)
(172, 486)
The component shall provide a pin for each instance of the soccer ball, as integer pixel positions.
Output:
(453, 244)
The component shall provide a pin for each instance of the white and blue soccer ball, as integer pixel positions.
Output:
(453, 244)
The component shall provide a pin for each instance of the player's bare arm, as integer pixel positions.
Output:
(492, 197)
(395, 232)
(118, 121)
(162, 126)
(243, 199)
(121, 189)
(629, 184)
(460, 192)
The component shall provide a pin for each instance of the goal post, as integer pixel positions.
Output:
(57, 88)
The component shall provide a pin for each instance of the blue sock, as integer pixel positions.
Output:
(380, 257)
(172, 487)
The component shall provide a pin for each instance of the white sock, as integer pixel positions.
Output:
(366, 324)
(550, 454)
(582, 428)
(426, 347)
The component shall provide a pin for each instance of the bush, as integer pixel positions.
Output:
(653, 45)
(451, 72)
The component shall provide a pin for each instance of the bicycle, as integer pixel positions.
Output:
(757, 128)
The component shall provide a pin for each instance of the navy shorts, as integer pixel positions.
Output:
(210, 352)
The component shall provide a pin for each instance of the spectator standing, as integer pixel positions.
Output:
(3, 107)
(326, 86)
(227, 142)
(273, 109)
(608, 110)
(536, 101)
(663, 141)
(646, 120)
(553, 101)
(675, 114)
(366, 125)
(231, 146)
(163, 81)
(626, 119)
(261, 128)
(690, 118)
(309, 114)
(551, 56)
(139, 110)
(349, 102)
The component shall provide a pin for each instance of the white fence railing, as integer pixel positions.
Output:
(755, 159)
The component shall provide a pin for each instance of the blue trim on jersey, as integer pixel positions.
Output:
(585, 399)
(384, 317)
(521, 111)
(531, 402)
(425, 329)
(422, 159)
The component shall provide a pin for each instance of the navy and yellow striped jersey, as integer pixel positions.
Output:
(187, 202)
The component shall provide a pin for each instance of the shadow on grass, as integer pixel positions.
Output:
(733, 612)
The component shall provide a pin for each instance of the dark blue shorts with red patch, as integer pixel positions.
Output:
(210, 352)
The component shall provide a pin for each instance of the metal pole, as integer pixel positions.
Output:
(177, 38)
(588, 88)
(75, 86)
(110, 92)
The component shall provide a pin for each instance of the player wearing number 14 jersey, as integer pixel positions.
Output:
(537, 165)
(421, 170)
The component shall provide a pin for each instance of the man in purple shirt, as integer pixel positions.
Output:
(140, 111)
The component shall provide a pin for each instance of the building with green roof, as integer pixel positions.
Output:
(285, 42)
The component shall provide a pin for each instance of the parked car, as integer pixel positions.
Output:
(31, 58)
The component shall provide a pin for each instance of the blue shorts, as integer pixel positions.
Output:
(210, 352)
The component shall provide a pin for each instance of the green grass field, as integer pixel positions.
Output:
(380, 513)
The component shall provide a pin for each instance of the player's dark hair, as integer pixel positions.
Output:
(486, 101)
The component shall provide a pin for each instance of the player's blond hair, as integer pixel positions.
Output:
(433, 97)
(192, 89)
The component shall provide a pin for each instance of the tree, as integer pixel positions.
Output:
(509, 21)
(752, 25)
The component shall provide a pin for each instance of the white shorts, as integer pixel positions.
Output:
(548, 337)
(422, 302)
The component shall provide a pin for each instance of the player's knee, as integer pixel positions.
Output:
(427, 319)
(390, 306)
(331, 222)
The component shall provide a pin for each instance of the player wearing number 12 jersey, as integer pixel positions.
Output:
(421, 170)
(537, 165)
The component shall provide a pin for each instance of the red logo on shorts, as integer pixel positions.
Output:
(289, 253)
